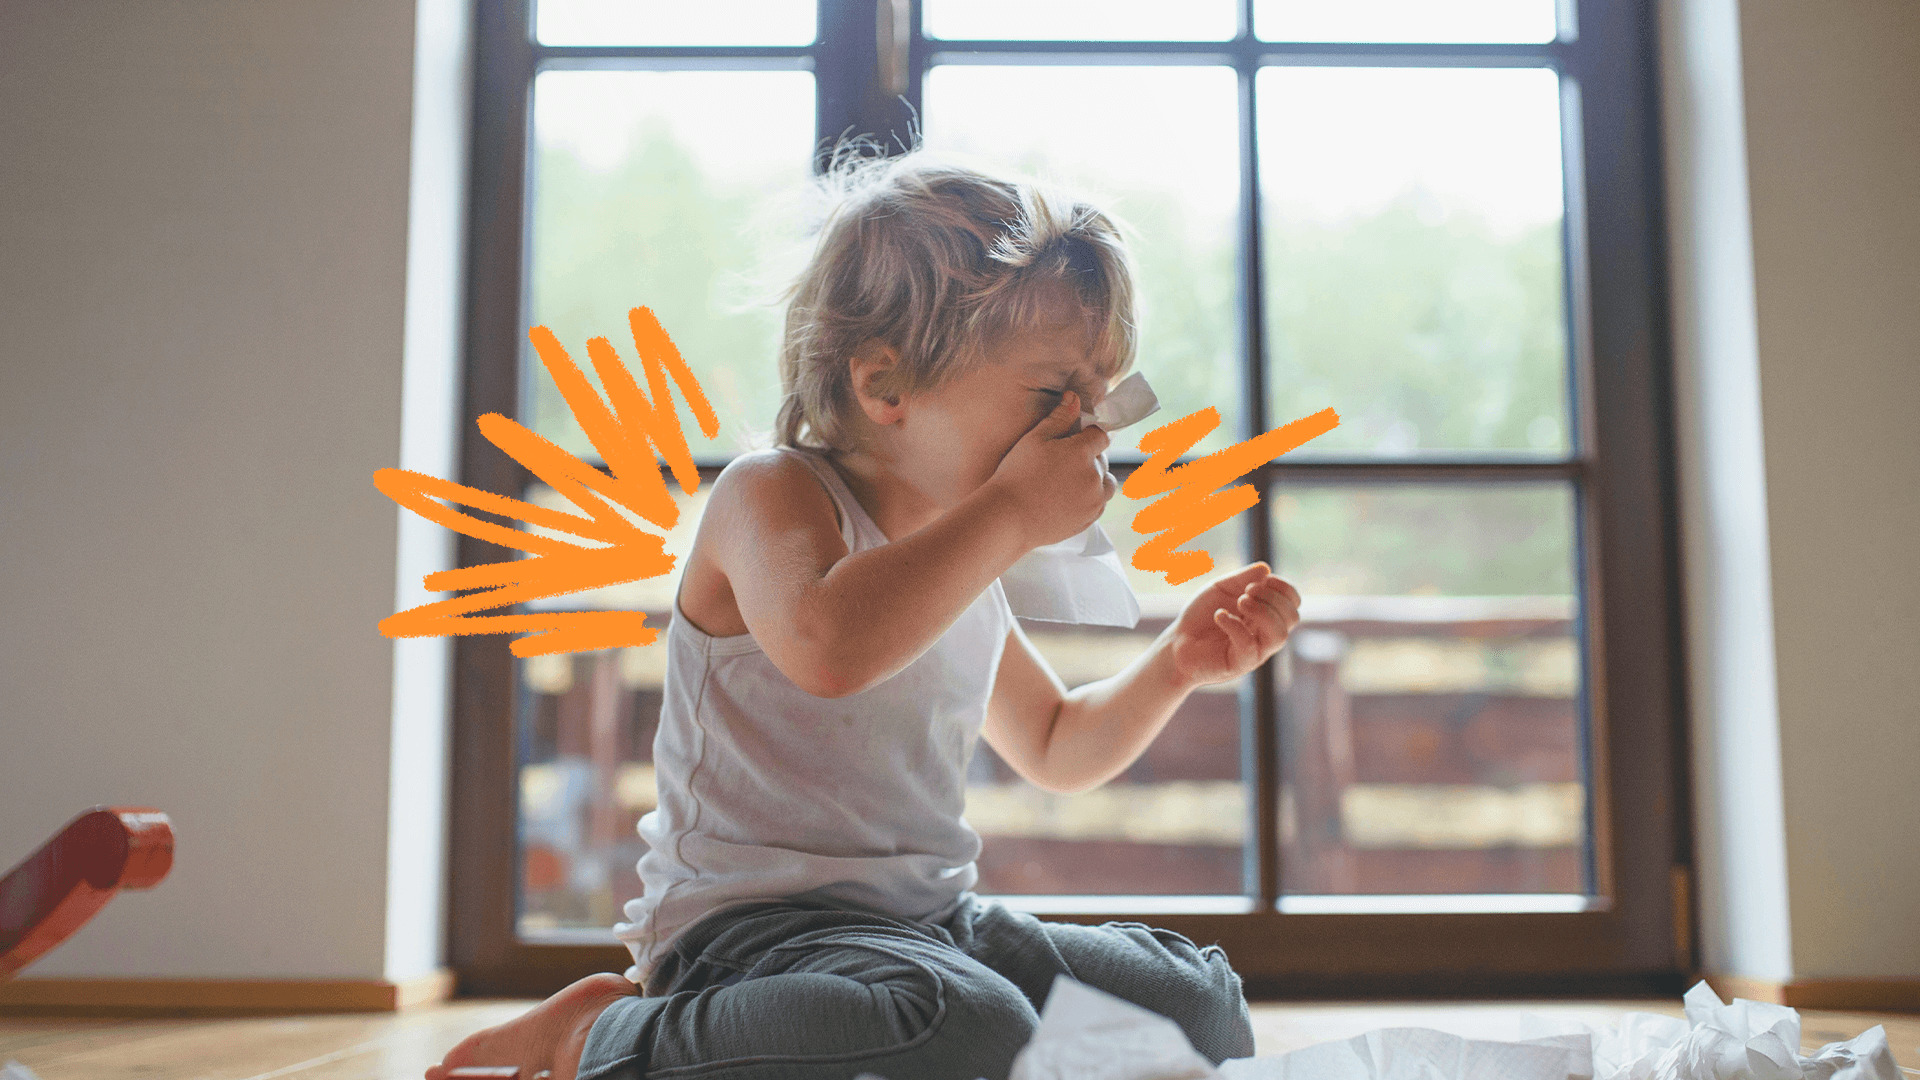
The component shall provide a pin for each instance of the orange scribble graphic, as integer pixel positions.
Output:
(626, 436)
(1190, 502)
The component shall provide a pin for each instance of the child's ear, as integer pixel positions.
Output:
(872, 368)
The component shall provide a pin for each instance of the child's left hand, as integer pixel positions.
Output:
(1233, 625)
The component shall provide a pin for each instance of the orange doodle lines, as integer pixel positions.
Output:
(629, 426)
(1190, 501)
(626, 436)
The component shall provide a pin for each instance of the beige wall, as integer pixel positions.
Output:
(1793, 143)
(204, 270)
(1833, 148)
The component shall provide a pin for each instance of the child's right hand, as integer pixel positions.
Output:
(1055, 477)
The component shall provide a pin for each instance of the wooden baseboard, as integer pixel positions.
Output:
(218, 997)
(1839, 995)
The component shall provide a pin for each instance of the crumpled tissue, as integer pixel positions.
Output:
(1086, 1034)
(1747, 1040)
(1080, 579)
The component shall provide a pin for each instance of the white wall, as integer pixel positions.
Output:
(1794, 143)
(430, 403)
(204, 310)
(1739, 817)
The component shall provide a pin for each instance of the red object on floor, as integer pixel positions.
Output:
(59, 887)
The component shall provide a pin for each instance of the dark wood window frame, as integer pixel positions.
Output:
(1634, 937)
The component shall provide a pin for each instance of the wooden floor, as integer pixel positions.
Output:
(401, 1046)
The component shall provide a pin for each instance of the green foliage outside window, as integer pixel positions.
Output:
(1425, 331)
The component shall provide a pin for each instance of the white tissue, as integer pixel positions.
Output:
(1080, 579)
(1085, 1034)
(13, 1070)
(1747, 1040)
(1423, 1054)
(1129, 403)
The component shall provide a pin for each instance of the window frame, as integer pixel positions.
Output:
(1636, 938)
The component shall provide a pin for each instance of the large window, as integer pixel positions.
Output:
(1433, 217)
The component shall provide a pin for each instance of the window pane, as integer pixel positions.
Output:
(1081, 20)
(1414, 270)
(637, 202)
(585, 725)
(1405, 20)
(1173, 824)
(664, 22)
(1155, 146)
(1432, 732)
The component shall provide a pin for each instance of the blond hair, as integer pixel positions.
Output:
(939, 259)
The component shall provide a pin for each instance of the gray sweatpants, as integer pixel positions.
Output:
(802, 991)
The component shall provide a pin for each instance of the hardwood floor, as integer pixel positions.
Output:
(399, 1046)
(363, 1046)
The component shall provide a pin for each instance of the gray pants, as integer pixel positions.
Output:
(803, 991)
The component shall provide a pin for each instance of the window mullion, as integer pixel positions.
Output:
(847, 70)
(1260, 715)
(835, 73)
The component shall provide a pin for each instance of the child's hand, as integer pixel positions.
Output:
(1057, 478)
(1233, 625)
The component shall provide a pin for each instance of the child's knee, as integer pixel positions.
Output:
(982, 1023)
(1205, 998)
(1227, 1030)
(960, 1007)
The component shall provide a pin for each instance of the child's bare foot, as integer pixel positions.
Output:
(552, 1035)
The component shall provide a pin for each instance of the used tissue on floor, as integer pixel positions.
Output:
(1085, 1034)
(1747, 1040)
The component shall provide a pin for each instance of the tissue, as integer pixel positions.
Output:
(1747, 1040)
(1086, 1034)
(1128, 403)
(1080, 579)
(1423, 1054)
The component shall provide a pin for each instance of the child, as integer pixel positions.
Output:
(840, 643)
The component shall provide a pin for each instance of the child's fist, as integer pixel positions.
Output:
(1056, 477)
(1233, 625)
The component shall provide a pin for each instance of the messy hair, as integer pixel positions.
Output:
(940, 259)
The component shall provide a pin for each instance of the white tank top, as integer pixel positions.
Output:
(767, 792)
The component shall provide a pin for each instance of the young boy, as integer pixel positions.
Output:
(841, 641)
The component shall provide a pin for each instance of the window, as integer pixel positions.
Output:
(1436, 218)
